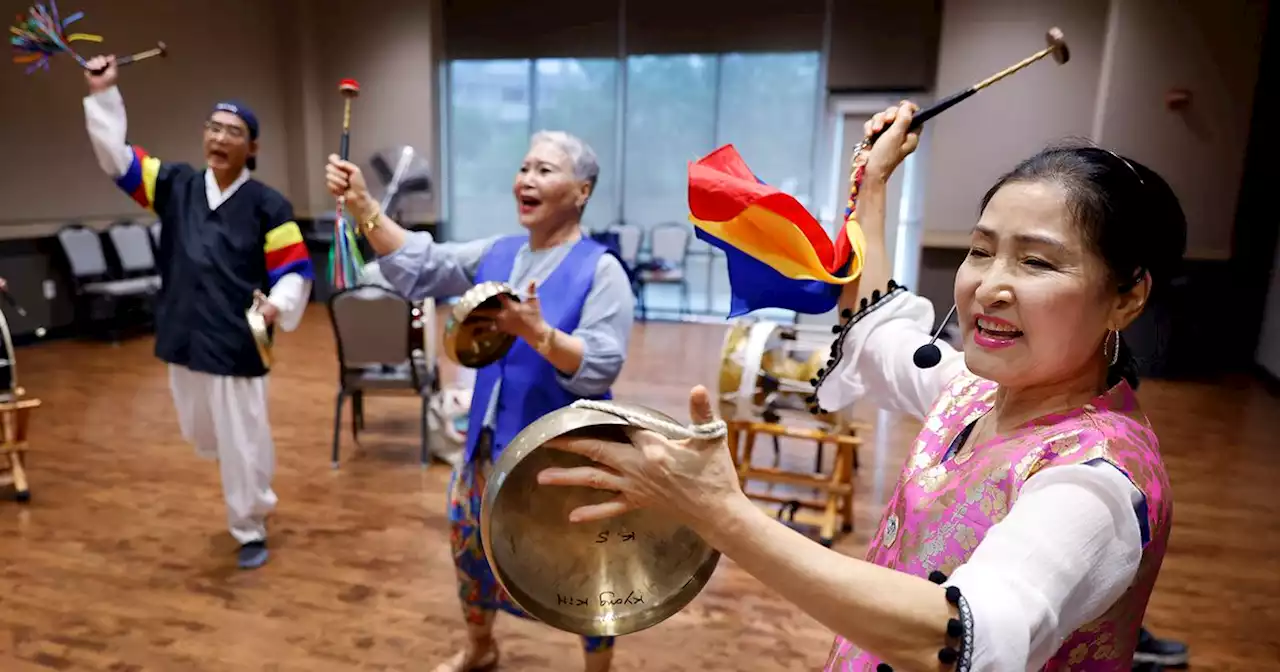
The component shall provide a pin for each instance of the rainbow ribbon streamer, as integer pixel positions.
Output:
(778, 254)
(41, 35)
(345, 260)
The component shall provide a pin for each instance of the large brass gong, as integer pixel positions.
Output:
(605, 578)
(469, 337)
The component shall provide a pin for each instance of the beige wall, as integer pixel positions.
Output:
(1212, 49)
(284, 58)
(1125, 54)
(984, 136)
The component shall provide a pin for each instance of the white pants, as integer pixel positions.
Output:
(225, 418)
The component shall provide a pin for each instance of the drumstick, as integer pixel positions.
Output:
(349, 88)
(1057, 48)
(160, 50)
(342, 255)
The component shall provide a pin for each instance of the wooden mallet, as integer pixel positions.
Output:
(350, 89)
(1057, 48)
(343, 269)
(161, 50)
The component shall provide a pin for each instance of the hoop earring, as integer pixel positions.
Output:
(1115, 349)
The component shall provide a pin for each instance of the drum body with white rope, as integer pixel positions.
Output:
(605, 578)
(767, 369)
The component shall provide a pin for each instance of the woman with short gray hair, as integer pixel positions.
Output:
(572, 331)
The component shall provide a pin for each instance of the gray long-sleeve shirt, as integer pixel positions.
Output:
(424, 268)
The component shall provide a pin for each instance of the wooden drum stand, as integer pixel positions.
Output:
(765, 372)
(14, 414)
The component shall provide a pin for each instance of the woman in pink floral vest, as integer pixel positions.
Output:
(1029, 522)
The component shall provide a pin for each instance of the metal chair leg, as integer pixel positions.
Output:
(337, 427)
(357, 415)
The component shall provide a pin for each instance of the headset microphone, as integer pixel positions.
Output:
(928, 355)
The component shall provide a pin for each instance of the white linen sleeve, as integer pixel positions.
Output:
(290, 296)
(108, 126)
(875, 358)
(1068, 549)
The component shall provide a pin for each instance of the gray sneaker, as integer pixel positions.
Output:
(252, 555)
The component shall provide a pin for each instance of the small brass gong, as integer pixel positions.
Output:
(258, 327)
(604, 578)
(469, 337)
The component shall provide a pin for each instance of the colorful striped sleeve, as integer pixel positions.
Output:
(139, 180)
(287, 253)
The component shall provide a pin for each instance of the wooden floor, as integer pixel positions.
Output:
(121, 561)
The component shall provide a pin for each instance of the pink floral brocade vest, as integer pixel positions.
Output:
(941, 510)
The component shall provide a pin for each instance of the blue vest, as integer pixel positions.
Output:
(529, 386)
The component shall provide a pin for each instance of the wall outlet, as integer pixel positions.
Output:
(50, 290)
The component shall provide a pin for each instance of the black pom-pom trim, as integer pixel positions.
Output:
(849, 318)
(937, 577)
(959, 647)
(883, 667)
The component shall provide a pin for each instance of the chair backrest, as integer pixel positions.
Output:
(83, 249)
(670, 242)
(133, 246)
(371, 325)
(629, 239)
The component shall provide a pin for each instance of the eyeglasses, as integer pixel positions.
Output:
(233, 132)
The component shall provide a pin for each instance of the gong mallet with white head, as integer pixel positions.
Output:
(1057, 48)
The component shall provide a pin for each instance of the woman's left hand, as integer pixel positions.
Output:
(693, 480)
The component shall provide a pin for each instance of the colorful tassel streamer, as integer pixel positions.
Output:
(345, 260)
(41, 35)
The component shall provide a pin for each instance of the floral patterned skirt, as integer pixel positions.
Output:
(477, 587)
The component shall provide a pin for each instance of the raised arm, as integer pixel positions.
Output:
(143, 177)
(411, 261)
(874, 352)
